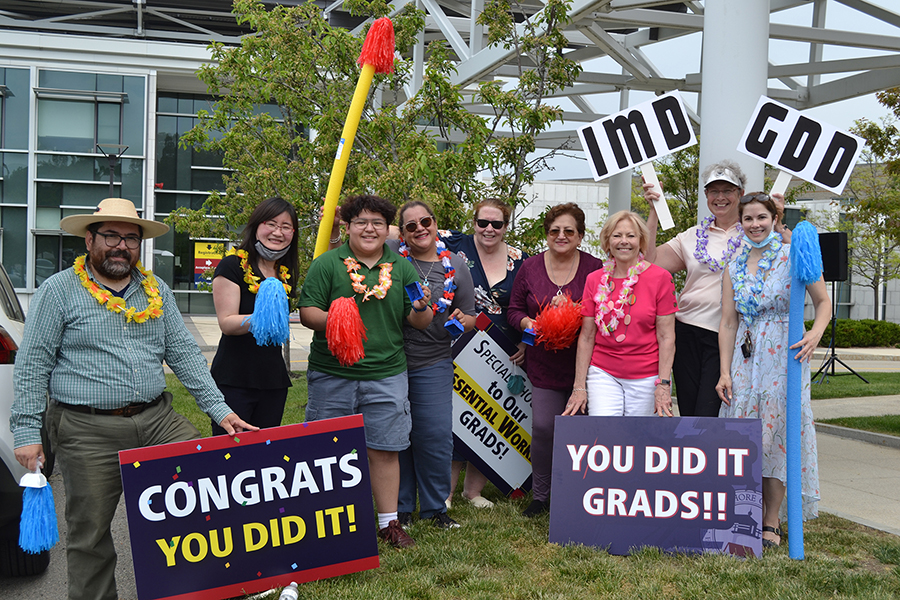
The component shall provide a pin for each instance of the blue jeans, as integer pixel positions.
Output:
(425, 465)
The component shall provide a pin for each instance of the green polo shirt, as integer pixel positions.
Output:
(328, 279)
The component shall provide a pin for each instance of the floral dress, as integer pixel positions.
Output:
(759, 383)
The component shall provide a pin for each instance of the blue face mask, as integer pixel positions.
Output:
(772, 235)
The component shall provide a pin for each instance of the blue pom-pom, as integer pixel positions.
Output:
(37, 527)
(806, 256)
(269, 322)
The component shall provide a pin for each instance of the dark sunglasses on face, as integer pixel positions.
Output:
(752, 197)
(413, 225)
(483, 223)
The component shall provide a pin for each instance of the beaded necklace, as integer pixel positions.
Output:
(384, 279)
(746, 297)
(446, 300)
(606, 306)
(703, 256)
(251, 279)
(116, 304)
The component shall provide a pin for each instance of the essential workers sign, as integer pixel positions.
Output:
(227, 516)
(812, 150)
(491, 424)
(683, 484)
(637, 135)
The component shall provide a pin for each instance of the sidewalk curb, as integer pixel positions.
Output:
(869, 437)
(818, 355)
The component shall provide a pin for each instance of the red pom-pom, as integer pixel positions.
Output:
(557, 326)
(345, 332)
(378, 49)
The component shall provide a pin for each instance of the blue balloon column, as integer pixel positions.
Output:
(806, 268)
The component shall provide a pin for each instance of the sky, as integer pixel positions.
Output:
(675, 58)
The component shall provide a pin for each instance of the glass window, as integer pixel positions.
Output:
(66, 125)
(53, 253)
(167, 202)
(108, 117)
(15, 108)
(14, 186)
(14, 221)
(67, 80)
(74, 194)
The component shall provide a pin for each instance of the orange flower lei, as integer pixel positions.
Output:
(384, 279)
(116, 304)
(251, 279)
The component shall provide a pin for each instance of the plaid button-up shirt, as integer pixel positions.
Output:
(85, 354)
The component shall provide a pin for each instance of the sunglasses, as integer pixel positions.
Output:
(754, 197)
(483, 223)
(411, 226)
(554, 233)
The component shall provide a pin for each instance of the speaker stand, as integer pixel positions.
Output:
(833, 358)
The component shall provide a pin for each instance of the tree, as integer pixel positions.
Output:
(871, 225)
(401, 150)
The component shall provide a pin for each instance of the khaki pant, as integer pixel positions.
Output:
(86, 449)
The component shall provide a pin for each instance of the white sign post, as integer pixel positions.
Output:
(812, 150)
(635, 137)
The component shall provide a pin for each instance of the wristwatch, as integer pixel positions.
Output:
(667, 382)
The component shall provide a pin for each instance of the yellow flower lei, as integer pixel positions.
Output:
(116, 304)
(384, 279)
(251, 279)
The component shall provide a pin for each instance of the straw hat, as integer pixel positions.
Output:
(113, 209)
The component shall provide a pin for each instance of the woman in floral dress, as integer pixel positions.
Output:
(753, 347)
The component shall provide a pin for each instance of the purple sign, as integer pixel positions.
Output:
(684, 484)
(227, 516)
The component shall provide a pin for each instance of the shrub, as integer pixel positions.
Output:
(864, 333)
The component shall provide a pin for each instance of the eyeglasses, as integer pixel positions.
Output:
(377, 224)
(483, 223)
(721, 192)
(411, 226)
(112, 240)
(285, 229)
(754, 197)
(566, 232)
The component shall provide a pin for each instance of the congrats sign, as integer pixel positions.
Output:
(684, 484)
(226, 516)
(491, 425)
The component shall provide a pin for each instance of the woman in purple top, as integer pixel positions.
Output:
(558, 272)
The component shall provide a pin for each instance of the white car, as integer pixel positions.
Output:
(13, 560)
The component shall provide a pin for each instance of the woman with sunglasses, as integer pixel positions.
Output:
(494, 265)
(425, 465)
(544, 280)
(753, 343)
(253, 378)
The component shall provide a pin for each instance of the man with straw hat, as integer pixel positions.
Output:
(95, 339)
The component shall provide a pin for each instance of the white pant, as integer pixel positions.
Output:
(610, 396)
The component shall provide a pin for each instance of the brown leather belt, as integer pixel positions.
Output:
(130, 410)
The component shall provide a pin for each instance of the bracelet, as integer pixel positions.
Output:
(335, 240)
(579, 389)
(418, 310)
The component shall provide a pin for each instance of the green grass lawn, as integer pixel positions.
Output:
(848, 385)
(499, 554)
(889, 424)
